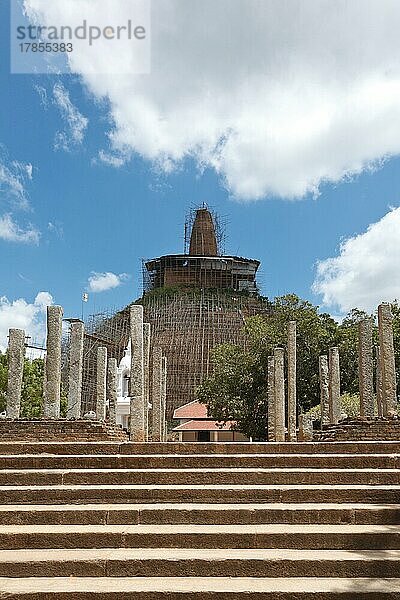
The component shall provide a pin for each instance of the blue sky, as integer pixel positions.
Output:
(93, 217)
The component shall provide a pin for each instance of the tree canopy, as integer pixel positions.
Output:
(32, 388)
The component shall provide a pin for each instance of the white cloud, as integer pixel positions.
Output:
(13, 179)
(76, 124)
(366, 270)
(101, 282)
(56, 228)
(276, 96)
(20, 314)
(112, 160)
(10, 231)
(42, 92)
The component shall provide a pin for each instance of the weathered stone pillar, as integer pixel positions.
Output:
(388, 368)
(112, 369)
(334, 385)
(279, 378)
(305, 428)
(75, 370)
(156, 394)
(146, 359)
(324, 389)
(137, 375)
(271, 399)
(365, 368)
(52, 397)
(16, 355)
(379, 383)
(164, 399)
(292, 373)
(101, 382)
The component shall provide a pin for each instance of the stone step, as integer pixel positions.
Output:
(206, 514)
(72, 494)
(227, 476)
(314, 536)
(152, 461)
(200, 588)
(186, 562)
(373, 447)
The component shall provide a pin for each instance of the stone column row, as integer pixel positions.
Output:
(365, 368)
(101, 383)
(159, 396)
(271, 399)
(292, 381)
(52, 383)
(276, 390)
(139, 378)
(387, 367)
(77, 333)
(136, 393)
(16, 356)
(329, 383)
(334, 385)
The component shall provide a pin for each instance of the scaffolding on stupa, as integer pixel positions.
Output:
(193, 301)
(187, 325)
(109, 329)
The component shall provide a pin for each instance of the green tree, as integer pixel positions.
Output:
(32, 386)
(32, 389)
(237, 388)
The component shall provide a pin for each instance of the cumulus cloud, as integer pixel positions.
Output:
(20, 314)
(277, 96)
(101, 282)
(366, 270)
(75, 123)
(10, 231)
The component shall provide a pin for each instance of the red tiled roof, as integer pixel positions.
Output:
(205, 426)
(193, 410)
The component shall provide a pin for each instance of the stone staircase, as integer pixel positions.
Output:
(108, 520)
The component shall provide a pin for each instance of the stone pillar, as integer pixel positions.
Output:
(334, 385)
(75, 370)
(156, 394)
(112, 369)
(365, 368)
(279, 379)
(324, 389)
(292, 375)
(379, 383)
(146, 359)
(305, 428)
(137, 375)
(164, 399)
(52, 395)
(101, 382)
(388, 369)
(271, 400)
(16, 355)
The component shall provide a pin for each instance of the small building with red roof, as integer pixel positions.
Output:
(197, 426)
